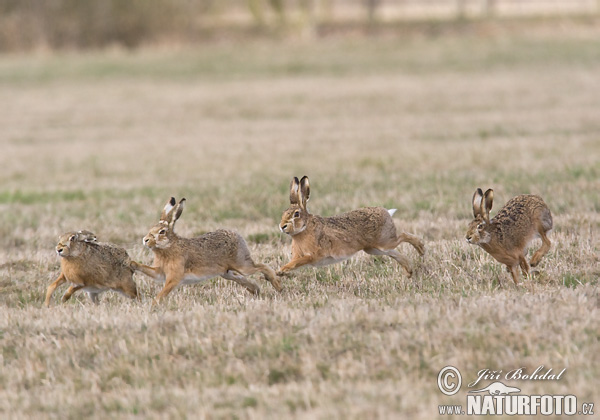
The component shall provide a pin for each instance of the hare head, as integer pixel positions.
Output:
(69, 245)
(295, 218)
(161, 235)
(478, 231)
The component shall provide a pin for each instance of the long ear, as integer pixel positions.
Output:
(488, 199)
(477, 199)
(294, 190)
(177, 212)
(304, 191)
(165, 215)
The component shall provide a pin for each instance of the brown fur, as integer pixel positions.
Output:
(180, 260)
(506, 236)
(321, 241)
(92, 266)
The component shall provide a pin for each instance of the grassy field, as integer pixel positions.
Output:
(101, 141)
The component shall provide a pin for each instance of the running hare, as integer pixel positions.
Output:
(180, 260)
(91, 266)
(505, 237)
(320, 241)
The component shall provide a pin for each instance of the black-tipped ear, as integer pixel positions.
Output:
(179, 210)
(488, 199)
(167, 209)
(294, 190)
(304, 191)
(477, 198)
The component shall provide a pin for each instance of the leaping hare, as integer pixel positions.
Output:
(505, 237)
(91, 266)
(180, 260)
(320, 241)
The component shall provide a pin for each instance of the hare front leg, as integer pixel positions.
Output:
(153, 272)
(60, 280)
(295, 263)
(172, 281)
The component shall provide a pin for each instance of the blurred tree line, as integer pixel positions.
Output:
(80, 24)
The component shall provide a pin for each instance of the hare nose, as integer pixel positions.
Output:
(283, 227)
(146, 240)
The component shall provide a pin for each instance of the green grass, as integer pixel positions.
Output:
(471, 54)
(101, 141)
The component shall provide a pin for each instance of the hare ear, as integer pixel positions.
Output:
(477, 199)
(488, 199)
(294, 190)
(167, 209)
(178, 210)
(304, 191)
(73, 237)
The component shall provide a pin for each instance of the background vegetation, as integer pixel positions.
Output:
(101, 140)
(34, 25)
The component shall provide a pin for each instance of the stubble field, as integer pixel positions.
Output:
(101, 141)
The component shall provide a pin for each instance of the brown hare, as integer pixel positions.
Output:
(506, 236)
(180, 260)
(319, 241)
(91, 266)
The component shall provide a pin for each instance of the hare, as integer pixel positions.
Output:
(91, 266)
(505, 237)
(180, 260)
(319, 241)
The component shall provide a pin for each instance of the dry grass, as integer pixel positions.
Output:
(101, 141)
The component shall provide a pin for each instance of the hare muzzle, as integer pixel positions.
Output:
(148, 241)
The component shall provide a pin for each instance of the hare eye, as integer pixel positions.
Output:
(297, 214)
(162, 232)
(480, 226)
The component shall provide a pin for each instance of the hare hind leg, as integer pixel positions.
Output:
(524, 265)
(270, 275)
(250, 285)
(393, 253)
(94, 297)
(411, 239)
(129, 289)
(266, 271)
(514, 272)
(537, 257)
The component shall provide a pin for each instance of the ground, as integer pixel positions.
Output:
(100, 141)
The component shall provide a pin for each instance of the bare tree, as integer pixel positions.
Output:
(461, 9)
(490, 8)
(372, 6)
